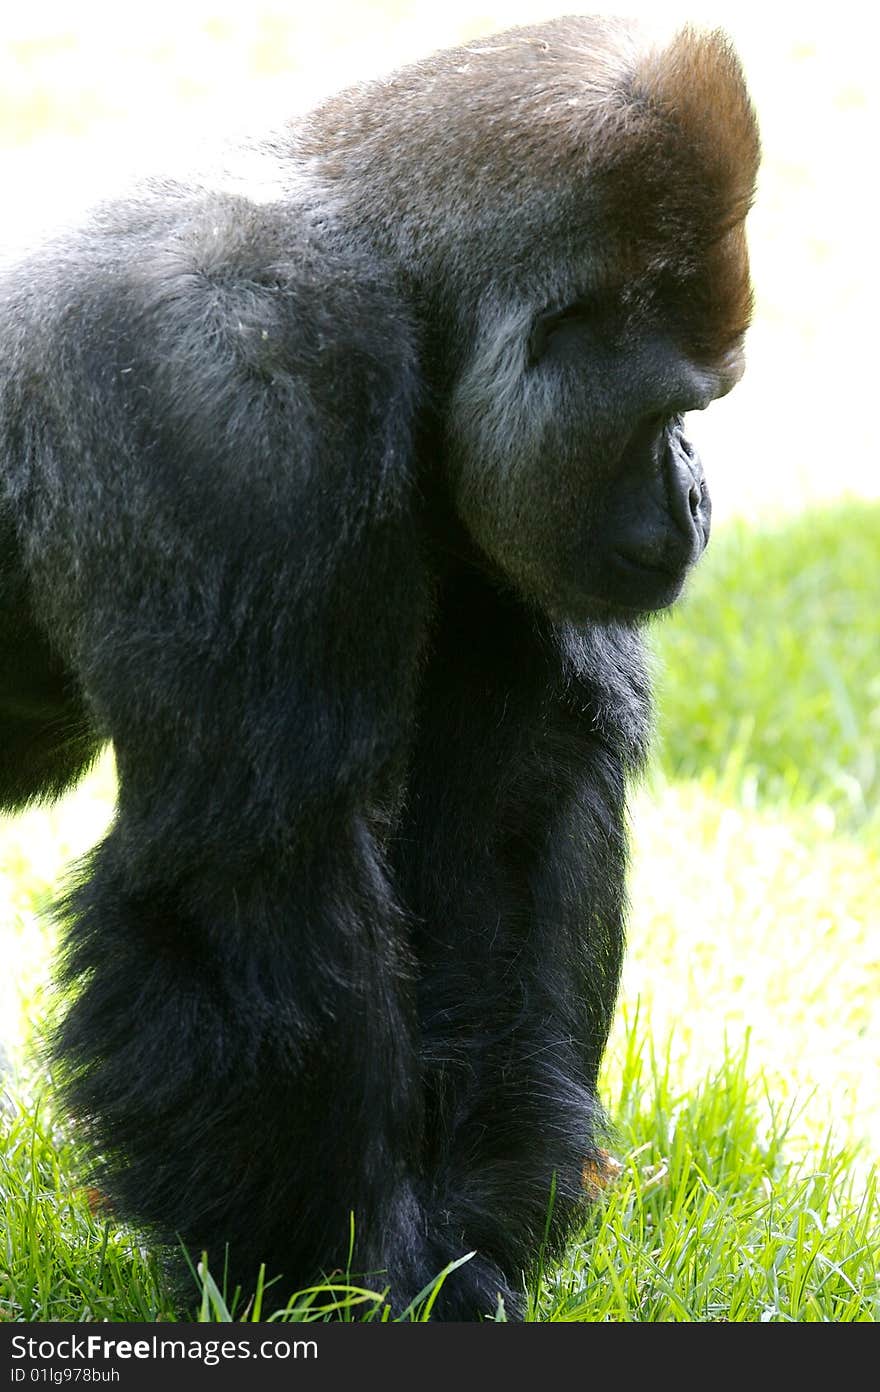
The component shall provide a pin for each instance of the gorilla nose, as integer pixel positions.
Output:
(687, 494)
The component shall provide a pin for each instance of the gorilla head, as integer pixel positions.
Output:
(333, 504)
(572, 229)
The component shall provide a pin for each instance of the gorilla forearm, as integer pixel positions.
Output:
(264, 1007)
(513, 881)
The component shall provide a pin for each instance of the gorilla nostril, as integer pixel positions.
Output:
(695, 497)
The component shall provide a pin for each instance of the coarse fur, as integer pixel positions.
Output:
(337, 510)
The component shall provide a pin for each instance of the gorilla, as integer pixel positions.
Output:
(338, 480)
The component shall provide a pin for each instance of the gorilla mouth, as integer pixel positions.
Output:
(639, 583)
(634, 563)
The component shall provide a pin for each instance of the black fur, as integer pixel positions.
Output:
(338, 523)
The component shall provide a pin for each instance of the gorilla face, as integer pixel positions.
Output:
(570, 463)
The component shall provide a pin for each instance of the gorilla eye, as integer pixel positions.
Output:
(551, 321)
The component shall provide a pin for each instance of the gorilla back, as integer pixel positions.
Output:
(335, 500)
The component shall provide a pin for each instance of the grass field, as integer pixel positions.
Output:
(743, 1071)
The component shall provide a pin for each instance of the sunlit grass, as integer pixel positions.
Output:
(715, 1216)
(711, 1219)
(758, 923)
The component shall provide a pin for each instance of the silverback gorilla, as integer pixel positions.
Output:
(334, 496)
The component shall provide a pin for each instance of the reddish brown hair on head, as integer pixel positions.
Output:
(696, 82)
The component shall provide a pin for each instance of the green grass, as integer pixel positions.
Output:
(783, 702)
(710, 1221)
(742, 1070)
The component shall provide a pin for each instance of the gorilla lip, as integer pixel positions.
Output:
(636, 563)
(644, 585)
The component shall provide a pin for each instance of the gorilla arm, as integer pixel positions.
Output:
(218, 495)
